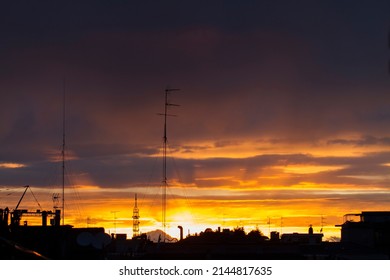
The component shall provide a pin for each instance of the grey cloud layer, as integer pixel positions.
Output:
(299, 73)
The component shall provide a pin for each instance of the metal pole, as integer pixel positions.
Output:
(63, 156)
(165, 180)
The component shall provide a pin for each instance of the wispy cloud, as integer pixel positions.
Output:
(11, 165)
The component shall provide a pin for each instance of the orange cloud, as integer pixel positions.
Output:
(12, 165)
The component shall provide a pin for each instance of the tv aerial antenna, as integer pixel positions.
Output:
(56, 200)
(168, 104)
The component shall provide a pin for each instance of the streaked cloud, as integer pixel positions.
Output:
(11, 165)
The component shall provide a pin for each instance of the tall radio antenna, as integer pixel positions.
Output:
(165, 139)
(63, 155)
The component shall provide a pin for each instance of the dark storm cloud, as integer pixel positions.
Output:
(298, 71)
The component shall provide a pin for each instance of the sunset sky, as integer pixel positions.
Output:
(284, 117)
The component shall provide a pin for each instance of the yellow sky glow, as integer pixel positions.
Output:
(197, 213)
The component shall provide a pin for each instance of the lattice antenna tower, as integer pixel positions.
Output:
(135, 218)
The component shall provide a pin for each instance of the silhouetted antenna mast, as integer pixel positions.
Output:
(63, 156)
(281, 225)
(388, 45)
(322, 223)
(55, 198)
(114, 213)
(135, 218)
(165, 180)
(269, 226)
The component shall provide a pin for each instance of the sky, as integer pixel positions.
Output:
(283, 118)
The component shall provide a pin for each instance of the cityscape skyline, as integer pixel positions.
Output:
(284, 111)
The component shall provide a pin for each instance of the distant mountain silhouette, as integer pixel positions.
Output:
(157, 234)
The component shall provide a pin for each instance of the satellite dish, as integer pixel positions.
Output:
(101, 240)
(84, 239)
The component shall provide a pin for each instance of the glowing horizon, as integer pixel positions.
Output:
(269, 191)
(268, 209)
